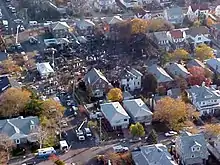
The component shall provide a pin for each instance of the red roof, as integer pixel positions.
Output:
(200, 7)
(176, 34)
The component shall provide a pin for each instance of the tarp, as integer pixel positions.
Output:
(44, 68)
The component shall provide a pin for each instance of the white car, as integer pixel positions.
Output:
(170, 133)
(22, 28)
(120, 148)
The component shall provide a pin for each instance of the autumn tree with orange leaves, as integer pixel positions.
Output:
(13, 101)
(198, 76)
(174, 113)
(9, 66)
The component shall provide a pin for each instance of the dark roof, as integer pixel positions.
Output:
(217, 26)
(176, 34)
(197, 31)
(6, 82)
(200, 7)
(3, 56)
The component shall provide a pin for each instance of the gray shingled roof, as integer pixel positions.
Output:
(93, 76)
(177, 70)
(202, 93)
(156, 154)
(195, 62)
(137, 108)
(174, 11)
(187, 140)
(161, 36)
(130, 73)
(17, 128)
(160, 74)
(114, 112)
(194, 31)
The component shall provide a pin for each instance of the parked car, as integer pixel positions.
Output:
(33, 40)
(88, 132)
(18, 21)
(170, 133)
(120, 149)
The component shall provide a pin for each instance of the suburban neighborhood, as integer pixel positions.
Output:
(110, 82)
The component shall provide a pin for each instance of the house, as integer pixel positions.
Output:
(98, 83)
(191, 149)
(205, 99)
(162, 39)
(3, 56)
(214, 65)
(177, 37)
(18, 129)
(198, 35)
(112, 20)
(127, 95)
(115, 114)
(174, 93)
(217, 143)
(195, 62)
(85, 26)
(44, 69)
(156, 154)
(215, 31)
(104, 5)
(174, 15)
(163, 3)
(130, 79)
(7, 82)
(177, 70)
(162, 77)
(60, 29)
(138, 111)
(197, 10)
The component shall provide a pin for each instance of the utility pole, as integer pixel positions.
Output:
(100, 128)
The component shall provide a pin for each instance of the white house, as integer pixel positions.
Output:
(198, 35)
(205, 99)
(131, 79)
(194, 11)
(115, 114)
(44, 69)
(138, 111)
(84, 24)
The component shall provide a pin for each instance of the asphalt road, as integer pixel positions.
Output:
(7, 15)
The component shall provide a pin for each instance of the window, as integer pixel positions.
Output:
(193, 156)
(32, 127)
(125, 119)
(128, 79)
(17, 141)
(193, 149)
(103, 85)
(198, 148)
(199, 38)
(138, 83)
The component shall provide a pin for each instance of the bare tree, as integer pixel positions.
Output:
(79, 6)
(6, 144)
(38, 135)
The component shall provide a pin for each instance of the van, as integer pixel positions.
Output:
(33, 23)
(63, 145)
(44, 152)
(88, 132)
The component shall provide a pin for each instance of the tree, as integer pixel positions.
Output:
(159, 24)
(149, 83)
(2, 44)
(174, 112)
(181, 83)
(138, 26)
(6, 144)
(179, 54)
(115, 94)
(52, 109)
(212, 130)
(13, 101)
(198, 76)
(92, 124)
(9, 66)
(196, 23)
(137, 130)
(209, 22)
(33, 107)
(204, 52)
(152, 138)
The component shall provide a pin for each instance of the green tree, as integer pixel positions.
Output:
(153, 138)
(92, 124)
(33, 107)
(137, 130)
(204, 52)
